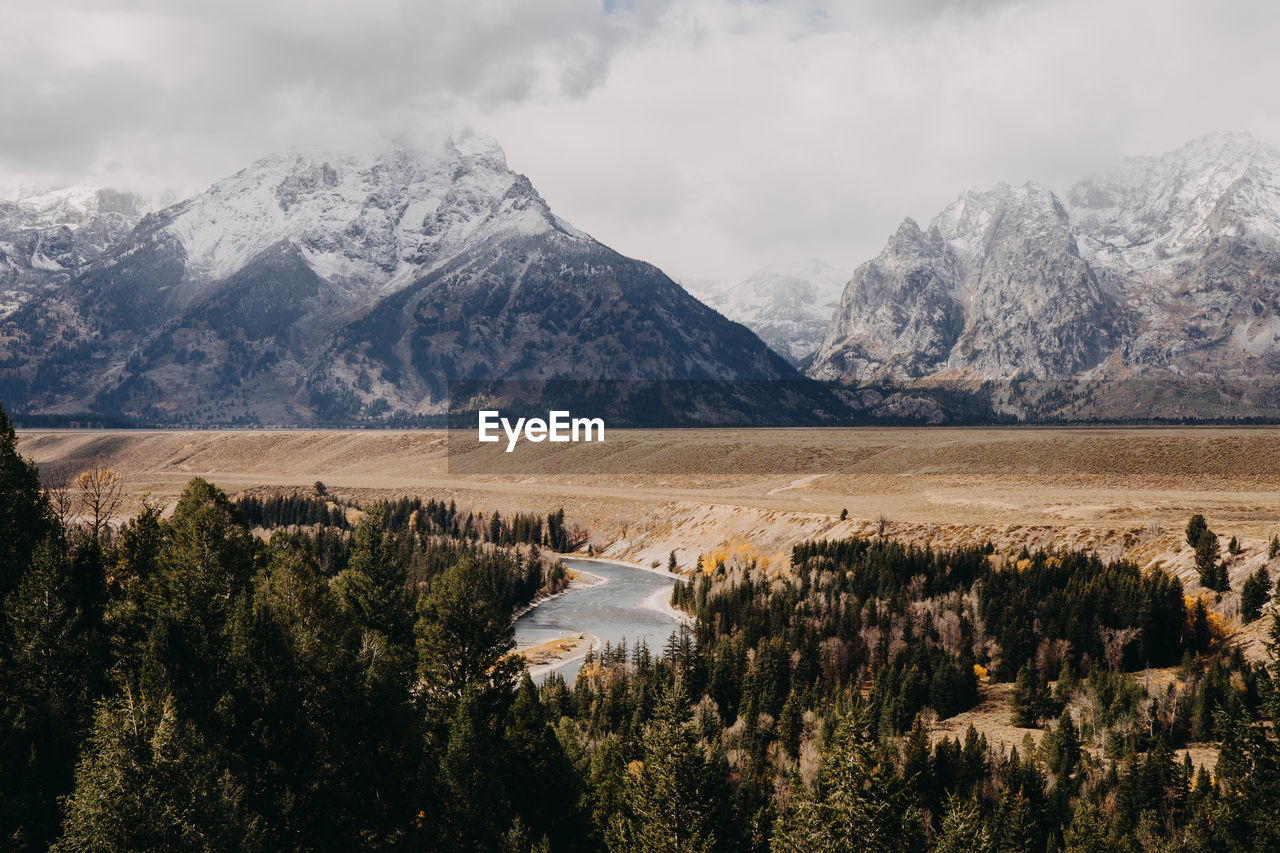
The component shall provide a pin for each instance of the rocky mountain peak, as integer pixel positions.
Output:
(319, 286)
(374, 218)
(48, 235)
(1149, 211)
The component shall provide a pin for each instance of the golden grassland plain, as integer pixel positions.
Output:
(1121, 492)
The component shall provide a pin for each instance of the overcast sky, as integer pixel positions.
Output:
(707, 136)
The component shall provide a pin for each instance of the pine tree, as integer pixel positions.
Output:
(148, 782)
(372, 587)
(1212, 575)
(857, 802)
(1029, 702)
(964, 830)
(1248, 770)
(668, 793)
(548, 808)
(1062, 749)
(464, 636)
(45, 695)
(1254, 594)
(25, 516)
(475, 807)
(1196, 528)
(1089, 831)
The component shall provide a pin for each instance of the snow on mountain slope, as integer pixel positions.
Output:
(1152, 211)
(995, 281)
(789, 307)
(370, 221)
(332, 287)
(48, 235)
(1167, 263)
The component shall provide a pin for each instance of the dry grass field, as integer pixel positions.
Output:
(1117, 490)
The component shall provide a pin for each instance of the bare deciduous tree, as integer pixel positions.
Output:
(61, 500)
(1114, 642)
(101, 493)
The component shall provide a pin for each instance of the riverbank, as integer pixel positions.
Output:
(620, 562)
(554, 654)
(660, 602)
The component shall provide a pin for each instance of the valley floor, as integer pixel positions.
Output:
(1120, 492)
(643, 494)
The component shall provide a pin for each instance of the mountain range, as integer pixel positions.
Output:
(1165, 266)
(315, 287)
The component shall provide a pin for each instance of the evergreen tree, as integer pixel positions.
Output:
(668, 793)
(1029, 703)
(148, 782)
(205, 564)
(1089, 832)
(464, 636)
(1249, 771)
(372, 587)
(857, 802)
(1196, 528)
(550, 807)
(475, 808)
(1254, 594)
(1212, 574)
(46, 696)
(25, 516)
(1062, 749)
(964, 830)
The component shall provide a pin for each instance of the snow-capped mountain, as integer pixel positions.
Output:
(48, 236)
(1166, 264)
(314, 286)
(789, 307)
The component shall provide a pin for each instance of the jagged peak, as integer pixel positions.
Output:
(371, 217)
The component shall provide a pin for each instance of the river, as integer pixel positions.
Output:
(613, 611)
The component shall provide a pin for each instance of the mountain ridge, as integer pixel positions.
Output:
(1163, 265)
(311, 287)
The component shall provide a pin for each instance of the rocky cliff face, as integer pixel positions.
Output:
(313, 287)
(1165, 264)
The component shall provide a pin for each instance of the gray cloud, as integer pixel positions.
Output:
(708, 136)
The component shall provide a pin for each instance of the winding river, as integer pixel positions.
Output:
(613, 611)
